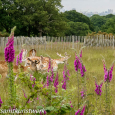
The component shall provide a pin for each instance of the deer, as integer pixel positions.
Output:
(63, 59)
(32, 53)
(45, 61)
(32, 67)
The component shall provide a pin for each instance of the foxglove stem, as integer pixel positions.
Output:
(78, 88)
(107, 99)
(12, 92)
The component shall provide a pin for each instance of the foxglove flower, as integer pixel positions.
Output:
(24, 94)
(19, 58)
(44, 112)
(108, 74)
(49, 65)
(56, 83)
(52, 75)
(47, 82)
(9, 50)
(71, 105)
(82, 94)
(65, 78)
(81, 54)
(79, 65)
(80, 112)
(0, 102)
(98, 88)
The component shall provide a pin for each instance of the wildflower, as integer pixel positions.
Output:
(83, 110)
(108, 74)
(77, 113)
(52, 75)
(49, 65)
(65, 73)
(98, 88)
(47, 82)
(34, 82)
(64, 85)
(79, 65)
(24, 94)
(80, 112)
(49, 78)
(82, 94)
(44, 112)
(71, 105)
(19, 58)
(9, 50)
(0, 102)
(40, 113)
(81, 54)
(56, 83)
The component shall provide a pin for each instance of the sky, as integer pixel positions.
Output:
(89, 5)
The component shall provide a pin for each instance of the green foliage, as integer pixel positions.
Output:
(74, 16)
(37, 17)
(109, 26)
(97, 21)
(77, 28)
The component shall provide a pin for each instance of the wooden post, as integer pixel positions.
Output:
(72, 41)
(45, 43)
(113, 42)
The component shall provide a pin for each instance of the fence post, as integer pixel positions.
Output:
(72, 41)
(113, 42)
(45, 43)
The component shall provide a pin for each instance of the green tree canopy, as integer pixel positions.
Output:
(109, 26)
(33, 17)
(74, 16)
(77, 28)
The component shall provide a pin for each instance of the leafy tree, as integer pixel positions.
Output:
(109, 26)
(38, 17)
(77, 28)
(74, 16)
(97, 21)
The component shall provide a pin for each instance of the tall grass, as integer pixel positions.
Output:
(92, 59)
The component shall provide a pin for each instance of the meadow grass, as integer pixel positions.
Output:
(92, 59)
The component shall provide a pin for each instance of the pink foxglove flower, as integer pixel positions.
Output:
(81, 54)
(9, 50)
(98, 88)
(108, 74)
(56, 83)
(65, 76)
(0, 102)
(80, 112)
(19, 58)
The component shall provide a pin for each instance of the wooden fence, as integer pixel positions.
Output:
(59, 42)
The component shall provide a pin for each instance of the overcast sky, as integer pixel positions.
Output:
(89, 5)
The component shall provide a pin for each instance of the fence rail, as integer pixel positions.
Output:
(59, 42)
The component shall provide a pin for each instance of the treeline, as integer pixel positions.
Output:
(104, 23)
(43, 18)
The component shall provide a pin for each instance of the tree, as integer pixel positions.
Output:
(77, 28)
(109, 26)
(41, 17)
(74, 16)
(97, 21)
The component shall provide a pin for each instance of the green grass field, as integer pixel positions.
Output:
(92, 59)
